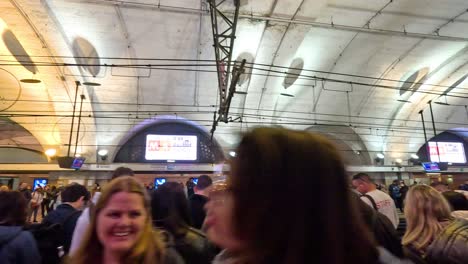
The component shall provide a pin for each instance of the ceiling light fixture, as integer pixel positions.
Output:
(91, 84)
(232, 153)
(414, 156)
(103, 152)
(398, 160)
(380, 155)
(50, 152)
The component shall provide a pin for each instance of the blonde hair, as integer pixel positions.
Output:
(425, 210)
(4, 188)
(148, 248)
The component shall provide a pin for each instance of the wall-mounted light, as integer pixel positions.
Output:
(379, 159)
(51, 152)
(102, 153)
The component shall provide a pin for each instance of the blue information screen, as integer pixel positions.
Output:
(40, 182)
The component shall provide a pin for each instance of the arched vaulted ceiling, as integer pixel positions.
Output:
(310, 62)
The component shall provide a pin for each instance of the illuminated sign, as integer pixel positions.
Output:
(452, 152)
(171, 147)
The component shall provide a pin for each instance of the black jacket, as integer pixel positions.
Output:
(67, 216)
(17, 246)
(192, 245)
(197, 203)
(27, 194)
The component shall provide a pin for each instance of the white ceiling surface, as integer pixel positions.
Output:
(139, 29)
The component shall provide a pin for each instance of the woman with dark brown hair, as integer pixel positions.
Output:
(16, 246)
(289, 202)
(171, 214)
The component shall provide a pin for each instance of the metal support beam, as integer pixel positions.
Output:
(224, 35)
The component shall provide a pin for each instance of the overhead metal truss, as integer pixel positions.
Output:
(224, 35)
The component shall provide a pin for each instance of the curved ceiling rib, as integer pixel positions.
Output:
(272, 9)
(275, 54)
(41, 39)
(392, 66)
(367, 24)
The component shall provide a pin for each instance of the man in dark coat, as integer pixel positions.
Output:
(74, 197)
(199, 199)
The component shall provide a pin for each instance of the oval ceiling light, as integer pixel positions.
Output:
(398, 160)
(294, 72)
(30, 81)
(50, 152)
(91, 84)
(414, 156)
(380, 155)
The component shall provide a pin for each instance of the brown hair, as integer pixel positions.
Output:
(148, 248)
(292, 203)
(122, 171)
(425, 210)
(13, 207)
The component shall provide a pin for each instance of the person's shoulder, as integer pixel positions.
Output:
(22, 238)
(380, 194)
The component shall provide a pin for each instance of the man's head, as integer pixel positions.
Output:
(457, 201)
(363, 183)
(203, 184)
(76, 195)
(122, 171)
(23, 185)
(440, 187)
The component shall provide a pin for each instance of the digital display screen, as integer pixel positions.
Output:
(39, 182)
(171, 147)
(431, 166)
(452, 152)
(158, 182)
(77, 163)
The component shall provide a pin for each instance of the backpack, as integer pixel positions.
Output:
(384, 232)
(50, 239)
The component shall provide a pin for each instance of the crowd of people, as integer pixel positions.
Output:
(264, 212)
